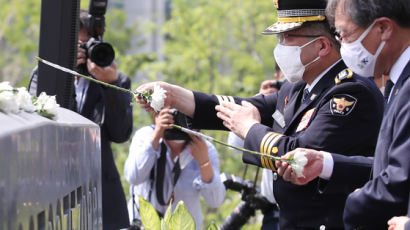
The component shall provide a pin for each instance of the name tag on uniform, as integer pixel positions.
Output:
(279, 118)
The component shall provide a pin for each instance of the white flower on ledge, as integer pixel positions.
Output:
(46, 106)
(5, 86)
(8, 102)
(24, 100)
(15, 100)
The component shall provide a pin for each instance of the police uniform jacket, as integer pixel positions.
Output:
(343, 117)
(387, 194)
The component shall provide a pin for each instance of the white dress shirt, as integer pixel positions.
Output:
(394, 75)
(189, 187)
(398, 67)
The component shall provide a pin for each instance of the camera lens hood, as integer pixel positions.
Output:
(101, 53)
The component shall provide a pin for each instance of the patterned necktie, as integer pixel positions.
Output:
(305, 95)
(176, 172)
(387, 90)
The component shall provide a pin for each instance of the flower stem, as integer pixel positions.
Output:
(228, 145)
(88, 78)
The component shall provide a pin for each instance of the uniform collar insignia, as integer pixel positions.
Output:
(313, 97)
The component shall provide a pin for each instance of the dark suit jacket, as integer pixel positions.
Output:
(111, 110)
(407, 226)
(343, 117)
(387, 194)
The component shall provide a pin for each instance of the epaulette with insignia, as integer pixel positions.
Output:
(344, 74)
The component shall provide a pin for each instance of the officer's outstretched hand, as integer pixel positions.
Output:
(239, 119)
(311, 171)
(176, 97)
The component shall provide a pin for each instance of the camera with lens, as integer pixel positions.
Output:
(98, 51)
(176, 134)
(277, 84)
(251, 201)
(101, 53)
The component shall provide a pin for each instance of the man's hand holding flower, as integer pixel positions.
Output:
(310, 171)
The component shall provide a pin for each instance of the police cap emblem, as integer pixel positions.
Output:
(292, 14)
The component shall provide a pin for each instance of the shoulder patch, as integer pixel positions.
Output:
(342, 104)
(344, 74)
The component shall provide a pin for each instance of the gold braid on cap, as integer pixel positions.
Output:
(302, 19)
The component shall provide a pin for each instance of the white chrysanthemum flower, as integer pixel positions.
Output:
(8, 102)
(5, 85)
(158, 98)
(46, 105)
(299, 162)
(51, 105)
(24, 100)
(41, 99)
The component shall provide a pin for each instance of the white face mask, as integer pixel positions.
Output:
(356, 56)
(288, 60)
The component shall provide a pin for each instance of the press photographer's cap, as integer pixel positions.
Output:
(293, 13)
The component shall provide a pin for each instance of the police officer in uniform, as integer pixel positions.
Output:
(375, 42)
(323, 106)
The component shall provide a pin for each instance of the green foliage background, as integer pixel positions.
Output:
(213, 46)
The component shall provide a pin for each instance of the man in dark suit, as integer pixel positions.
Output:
(326, 107)
(375, 39)
(111, 110)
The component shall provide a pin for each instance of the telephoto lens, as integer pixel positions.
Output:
(99, 52)
(252, 200)
(239, 216)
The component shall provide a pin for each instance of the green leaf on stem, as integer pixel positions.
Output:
(149, 215)
(168, 213)
(181, 219)
(212, 226)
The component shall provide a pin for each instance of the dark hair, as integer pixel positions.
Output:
(277, 68)
(84, 19)
(364, 12)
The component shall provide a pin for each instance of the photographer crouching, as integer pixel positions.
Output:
(165, 165)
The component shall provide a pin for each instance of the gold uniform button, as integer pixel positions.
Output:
(275, 150)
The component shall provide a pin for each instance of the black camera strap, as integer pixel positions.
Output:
(160, 174)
